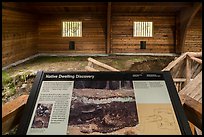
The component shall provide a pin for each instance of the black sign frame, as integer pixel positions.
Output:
(165, 75)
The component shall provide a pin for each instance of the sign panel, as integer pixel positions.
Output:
(100, 103)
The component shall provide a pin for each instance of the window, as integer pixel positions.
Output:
(71, 29)
(142, 29)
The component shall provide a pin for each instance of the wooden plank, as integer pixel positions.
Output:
(151, 4)
(12, 112)
(196, 59)
(188, 70)
(175, 62)
(179, 79)
(192, 127)
(193, 110)
(194, 54)
(194, 87)
(102, 64)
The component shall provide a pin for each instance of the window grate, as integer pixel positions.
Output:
(71, 29)
(142, 29)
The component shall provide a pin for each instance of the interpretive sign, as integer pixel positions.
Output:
(100, 103)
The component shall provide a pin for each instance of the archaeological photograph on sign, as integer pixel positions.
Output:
(102, 107)
(42, 116)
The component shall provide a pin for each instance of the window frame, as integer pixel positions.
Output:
(72, 36)
(143, 36)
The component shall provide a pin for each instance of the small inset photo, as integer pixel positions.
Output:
(42, 115)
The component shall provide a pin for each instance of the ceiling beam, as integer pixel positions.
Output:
(67, 4)
(152, 4)
(185, 18)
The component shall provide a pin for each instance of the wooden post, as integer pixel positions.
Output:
(188, 70)
(108, 41)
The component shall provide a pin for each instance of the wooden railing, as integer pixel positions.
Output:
(186, 71)
(185, 68)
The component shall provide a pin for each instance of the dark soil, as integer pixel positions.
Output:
(150, 65)
(107, 117)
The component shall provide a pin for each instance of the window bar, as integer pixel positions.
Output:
(143, 29)
(73, 29)
(80, 30)
(136, 29)
(151, 29)
(68, 28)
(62, 29)
(65, 29)
(73, 34)
(134, 26)
(139, 29)
(146, 29)
(77, 28)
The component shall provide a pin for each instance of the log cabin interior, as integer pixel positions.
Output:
(100, 28)
(32, 29)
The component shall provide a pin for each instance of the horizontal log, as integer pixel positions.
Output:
(175, 62)
(142, 51)
(194, 54)
(148, 46)
(12, 112)
(196, 59)
(71, 51)
(102, 64)
(179, 79)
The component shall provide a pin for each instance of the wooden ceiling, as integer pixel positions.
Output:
(99, 7)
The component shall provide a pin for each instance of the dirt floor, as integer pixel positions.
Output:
(123, 63)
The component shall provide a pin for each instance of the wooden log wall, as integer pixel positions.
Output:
(19, 35)
(161, 42)
(93, 38)
(193, 40)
